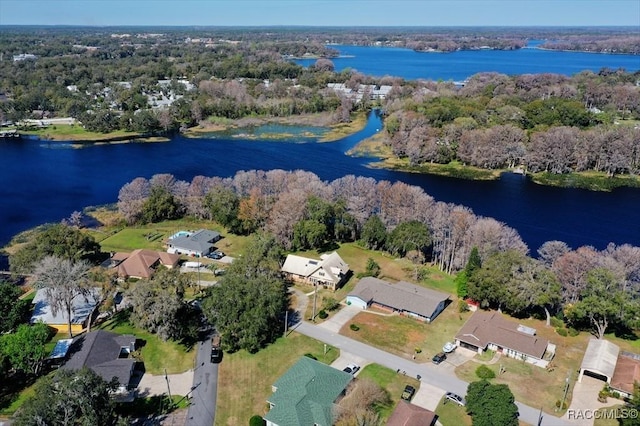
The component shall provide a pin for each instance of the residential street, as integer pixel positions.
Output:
(430, 374)
(202, 410)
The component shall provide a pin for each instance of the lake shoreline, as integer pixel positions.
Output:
(374, 147)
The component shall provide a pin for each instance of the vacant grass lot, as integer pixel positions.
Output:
(402, 336)
(244, 381)
(156, 354)
(534, 385)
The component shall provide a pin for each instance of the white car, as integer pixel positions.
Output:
(351, 369)
(455, 398)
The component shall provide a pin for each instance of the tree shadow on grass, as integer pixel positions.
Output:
(144, 411)
(12, 386)
(119, 319)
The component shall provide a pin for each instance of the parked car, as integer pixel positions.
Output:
(455, 398)
(439, 357)
(351, 369)
(408, 393)
(217, 255)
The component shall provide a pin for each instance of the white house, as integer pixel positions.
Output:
(330, 271)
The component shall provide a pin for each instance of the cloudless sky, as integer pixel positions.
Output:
(322, 12)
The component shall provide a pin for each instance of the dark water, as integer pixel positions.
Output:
(45, 182)
(458, 66)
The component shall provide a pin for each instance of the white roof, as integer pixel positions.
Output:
(600, 357)
(299, 265)
(332, 264)
(81, 308)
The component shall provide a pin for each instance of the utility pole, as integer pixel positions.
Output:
(286, 322)
(315, 297)
(166, 377)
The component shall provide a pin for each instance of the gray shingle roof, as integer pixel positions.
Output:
(402, 295)
(100, 351)
(200, 241)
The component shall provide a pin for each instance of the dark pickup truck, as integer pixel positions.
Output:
(216, 352)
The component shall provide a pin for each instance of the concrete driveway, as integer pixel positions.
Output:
(347, 358)
(179, 384)
(337, 320)
(428, 396)
(585, 401)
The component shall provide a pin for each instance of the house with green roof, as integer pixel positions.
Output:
(307, 394)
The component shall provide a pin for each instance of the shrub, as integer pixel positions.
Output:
(354, 327)
(485, 372)
(565, 405)
(330, 304)
(462, 306)
(562, 331)
(573, 332)
(556, 322)
(312, 356)
(257, 420)
(323, 314)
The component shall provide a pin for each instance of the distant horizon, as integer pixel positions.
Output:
(309, 26)
(322, 13)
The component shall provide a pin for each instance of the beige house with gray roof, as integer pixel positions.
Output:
(405, 298)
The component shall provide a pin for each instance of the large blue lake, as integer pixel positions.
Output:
(458, 66)
(46, 181)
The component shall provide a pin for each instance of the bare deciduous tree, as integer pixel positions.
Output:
(357, 407)
(63, 280)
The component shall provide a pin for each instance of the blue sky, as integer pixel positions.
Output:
(322, 12)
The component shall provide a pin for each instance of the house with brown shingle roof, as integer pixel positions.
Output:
(142, 263)
(407, 414)
(405, 298)
(626, 373)
(493, 331)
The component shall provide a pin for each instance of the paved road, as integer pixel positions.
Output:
(429, 373)
(202, 410)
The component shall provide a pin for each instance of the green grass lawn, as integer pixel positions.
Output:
(153, 236)
(450, 414)
(156, 354)
(244, 381)
(75, 132)
(14, 402)
(390, 381)
(403, 335)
